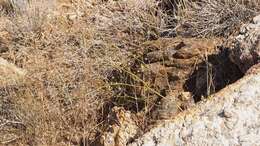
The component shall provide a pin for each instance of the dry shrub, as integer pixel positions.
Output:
(6, 6)
(11, 6)
(206, 18)
(58, 101)
(67, 49)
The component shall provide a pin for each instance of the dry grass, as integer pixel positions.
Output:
(68, 49)
(208, 18)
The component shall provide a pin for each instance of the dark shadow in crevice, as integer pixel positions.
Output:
(213, 75)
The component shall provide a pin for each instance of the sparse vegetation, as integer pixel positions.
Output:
(69, 50)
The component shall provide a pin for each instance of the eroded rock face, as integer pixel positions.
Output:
(245, 48)
(169, 63)
(170, 74)
(230, 117)
(9, 73)
(164, 65)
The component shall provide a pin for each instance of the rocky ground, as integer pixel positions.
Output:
(129, 72)
(228, 117)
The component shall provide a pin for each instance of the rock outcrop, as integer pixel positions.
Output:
(168, 64)
(174, 73)
(186, 70)
(245, 48)
(122, 129)
(230, 117)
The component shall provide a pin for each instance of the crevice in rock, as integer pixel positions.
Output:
(162, 82)
(143, 83)
(212, 75)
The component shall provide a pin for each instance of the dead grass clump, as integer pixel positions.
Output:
(6, 6)
(13, 6)
(206, 18)
(67, 50)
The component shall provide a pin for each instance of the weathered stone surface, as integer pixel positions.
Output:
(185, 69)
(230, 117)
(122, 129)
(245, 48)
(9, 73)
(166, 64)
(172, 67)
